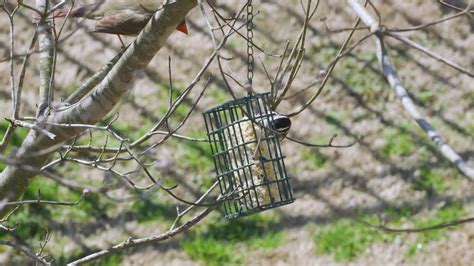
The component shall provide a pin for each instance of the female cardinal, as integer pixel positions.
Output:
(121, 17)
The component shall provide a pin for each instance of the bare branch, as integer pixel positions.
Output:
(455, 7)
(19, 123)
(329, 145)
(41, 201)
(12, 56)
(429, 53)
(89, 84)
(21, 78)
(180, 215)
(134, 242)
(24, 250)
(384, 228)
(405, 98)
(419, 27)
(328, 72)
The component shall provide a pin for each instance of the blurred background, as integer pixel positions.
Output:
(394, 172)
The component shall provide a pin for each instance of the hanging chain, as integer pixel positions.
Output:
(250, 59)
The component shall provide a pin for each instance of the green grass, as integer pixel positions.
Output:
(364, 81)
(182, 109)
(219, 95)
(235, 43)
(152, 209)
(128, 130)
(430, 180)
(112, 260)
(448, 213)
(398, 215)
(33, 219)
(334, 118)
(20, 133)
(211, 251)
(345, 239)
(398, 144)
(316, 158)
(196, 157)
(470, 128)
(267, 241)
(426, 97)
(217, 243)
(16, 140)
(109, 261)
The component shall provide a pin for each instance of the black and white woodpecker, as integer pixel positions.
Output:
(281, 124)
(247, 139)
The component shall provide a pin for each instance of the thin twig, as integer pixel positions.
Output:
(21, 77)
(453, 6)
(134, 242)
(431, 54)
(419, 27)
(328, 72)
(329, 145)
(42, 201)
(7, 137)
(35, 127)
(26, 251)
(416, 230)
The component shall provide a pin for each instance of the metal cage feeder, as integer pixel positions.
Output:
(247, 156)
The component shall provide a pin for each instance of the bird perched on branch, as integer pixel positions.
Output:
(254, 157)
(121, 17)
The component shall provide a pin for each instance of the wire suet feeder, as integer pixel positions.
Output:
(247, 155)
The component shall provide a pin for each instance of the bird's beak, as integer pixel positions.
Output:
(183, 27)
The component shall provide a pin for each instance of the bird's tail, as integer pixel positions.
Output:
(183, 27)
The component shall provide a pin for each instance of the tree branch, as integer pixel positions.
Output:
(25, 251)
(400, 91)
(131, 242)
(92, 108)
(46, 51)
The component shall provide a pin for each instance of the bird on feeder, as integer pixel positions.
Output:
(121, 17)
(254, 161)
(281, 124)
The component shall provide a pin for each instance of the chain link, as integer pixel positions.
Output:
(250, 58)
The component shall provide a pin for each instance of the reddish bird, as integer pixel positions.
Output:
(122, 17)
